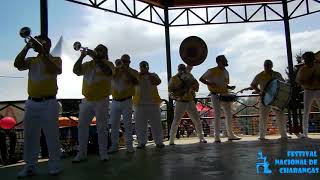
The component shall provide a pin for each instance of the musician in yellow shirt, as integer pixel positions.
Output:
(217, 80)
(309, 78)
(96, 89)
(123, 85)
(147, 107)
(258, 84)
(182, 87)
(41, 108)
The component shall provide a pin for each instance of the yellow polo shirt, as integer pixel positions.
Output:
(96, 85)
(218, 76)
(40, 82)
(309, 73)
(122, 87)
(181, 93)
(263, 78)
(145, 92)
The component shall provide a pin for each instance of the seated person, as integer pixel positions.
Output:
(5, 130)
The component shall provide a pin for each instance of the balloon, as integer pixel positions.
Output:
(7, 122)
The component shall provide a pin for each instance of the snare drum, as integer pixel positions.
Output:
(276, 94)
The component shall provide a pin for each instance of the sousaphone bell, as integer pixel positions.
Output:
(193, 50)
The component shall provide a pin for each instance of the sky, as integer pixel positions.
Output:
(245, 45)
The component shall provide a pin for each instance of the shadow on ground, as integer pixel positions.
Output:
(188, 160)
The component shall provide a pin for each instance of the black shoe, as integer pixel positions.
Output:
(141, 146)
(160, 146)
(263, 139)
(234, 138)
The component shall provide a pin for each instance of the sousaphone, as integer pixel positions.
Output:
(193, 50)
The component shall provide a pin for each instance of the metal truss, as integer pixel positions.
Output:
(241, 13)
(129, 8)
(187, 16)
(303, 7)
(227, 14)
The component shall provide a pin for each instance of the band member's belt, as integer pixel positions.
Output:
(123, 99)
(40, 99)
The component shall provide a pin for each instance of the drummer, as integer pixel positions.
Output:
(258, 84)
(217, 80)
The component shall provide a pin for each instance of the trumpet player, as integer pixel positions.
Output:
(41, 108)
(96, 88)
(258, 84)
(147, 101)
(123, 83)
(217, 80)
(309, 78)
(182, 87)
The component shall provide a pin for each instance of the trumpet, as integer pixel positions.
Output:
(25, 33)
(78, 47)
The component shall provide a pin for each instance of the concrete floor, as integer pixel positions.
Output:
(187, 160)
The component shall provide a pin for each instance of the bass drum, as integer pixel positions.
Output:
(276, 94)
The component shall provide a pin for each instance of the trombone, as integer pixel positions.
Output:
(25, 33)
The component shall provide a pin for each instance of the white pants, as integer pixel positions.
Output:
(226, 106)
(309, 96)
(41, 115)
(150, 112)
(180, 109)
(263, 119)
(89, 109)
(123, 108)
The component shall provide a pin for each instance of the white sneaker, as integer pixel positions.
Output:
(234, 137)
(27, 172)
(171, 142)
(303, 136)
(130, 149)
(203, 141)
(79, 158)
(217, 140)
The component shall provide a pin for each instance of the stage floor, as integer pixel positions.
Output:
(187, 160)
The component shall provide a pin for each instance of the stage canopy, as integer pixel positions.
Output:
(187, 3)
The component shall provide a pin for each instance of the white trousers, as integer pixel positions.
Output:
(41, 115)
(89, 109)
(180, 109)
(150, 112)
(226, 106)
(123, 108)
(309, 96)
(263, 119)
